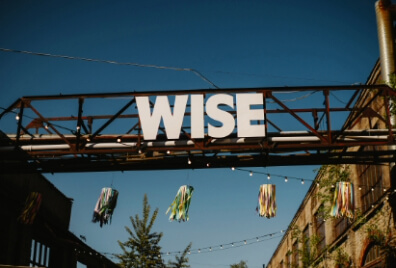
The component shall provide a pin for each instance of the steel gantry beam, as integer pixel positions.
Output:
(103, 132)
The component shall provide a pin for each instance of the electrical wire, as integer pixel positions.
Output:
(282, 77)
(196, 72)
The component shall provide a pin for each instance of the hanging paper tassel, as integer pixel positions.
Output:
(105, 206)
(181, 204)
(266, 206)
(32, 206)
(343, 202)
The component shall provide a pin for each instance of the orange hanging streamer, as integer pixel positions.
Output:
(266, 206)
(343, 202)
(32, 206)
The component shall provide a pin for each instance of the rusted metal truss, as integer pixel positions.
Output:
(102, 132)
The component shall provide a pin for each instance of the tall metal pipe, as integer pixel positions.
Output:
(385, 38)
(386, 47)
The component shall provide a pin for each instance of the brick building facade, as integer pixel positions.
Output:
(314, 239)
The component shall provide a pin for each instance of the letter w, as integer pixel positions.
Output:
(172, 122)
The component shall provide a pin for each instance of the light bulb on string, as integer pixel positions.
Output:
(245, 242)
(268, 176)
(17, 117)
(251, 173)
(189, 161)
(286, 179)
(302, 181)
(232, 168)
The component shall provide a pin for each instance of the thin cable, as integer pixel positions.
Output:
(196, 72)
(271, 174)
(297, 98)
(283, 77)
(235, 244)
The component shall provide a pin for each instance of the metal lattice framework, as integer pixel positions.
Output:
(102, 132)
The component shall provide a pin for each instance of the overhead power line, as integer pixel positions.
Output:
(196, 72)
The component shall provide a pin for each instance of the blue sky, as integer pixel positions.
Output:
(233, 44)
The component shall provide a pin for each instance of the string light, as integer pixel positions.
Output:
(214, 248)
(286, 178)
(189, 161)
(17, 117)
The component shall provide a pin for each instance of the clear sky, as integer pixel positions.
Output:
(234, 44)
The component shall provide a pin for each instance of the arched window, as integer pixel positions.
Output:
(372, 257)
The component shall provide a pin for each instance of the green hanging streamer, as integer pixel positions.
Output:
(181, 204)
(105, 206)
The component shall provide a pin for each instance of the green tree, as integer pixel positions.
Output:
(142, 249)
(182, 261)
(241, 264)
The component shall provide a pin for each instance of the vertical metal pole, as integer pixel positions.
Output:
(326, 93)
(386, 47)
(20, 116)
(79, 122)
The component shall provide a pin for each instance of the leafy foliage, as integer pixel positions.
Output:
(241, 264)
(182, 261)
(141, 250)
